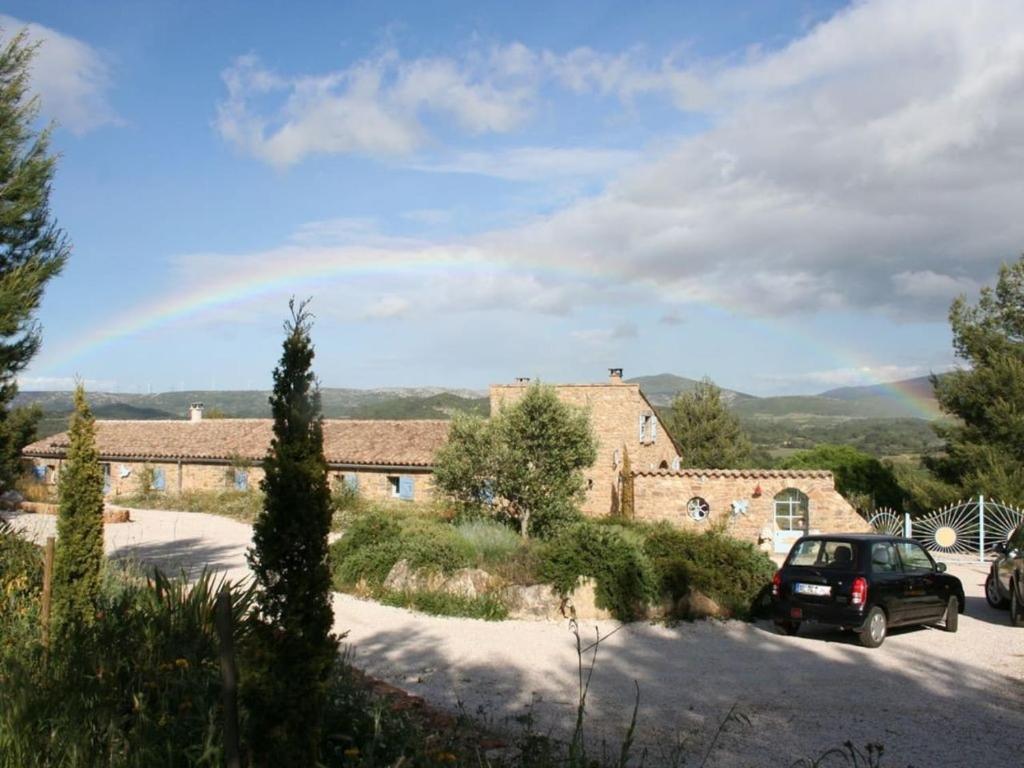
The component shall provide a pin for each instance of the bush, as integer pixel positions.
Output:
(625, 581)
(491, 541)
(375, 541)
(731, 572)
(488, 607)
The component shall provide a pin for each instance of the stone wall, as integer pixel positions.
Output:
(664, 496)
(615, 411)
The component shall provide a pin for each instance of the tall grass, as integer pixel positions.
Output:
(492, 542)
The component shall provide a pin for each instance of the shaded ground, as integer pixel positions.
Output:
(932, 698)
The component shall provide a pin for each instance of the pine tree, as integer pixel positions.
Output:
(78, 560)
(985, 445)
(289, 559)
(32, 248)
(626, 499)
(710, 435)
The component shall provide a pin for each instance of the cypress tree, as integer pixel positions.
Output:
(78, 560)
(626, 504)
(32, 249)
(289, 559)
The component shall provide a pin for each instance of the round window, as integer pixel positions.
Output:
(698, 508)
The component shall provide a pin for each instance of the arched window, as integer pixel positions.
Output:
(698, 509)
(792, 510)
(663, 465)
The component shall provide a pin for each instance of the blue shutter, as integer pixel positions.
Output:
(487, 493)
(40, 472)
(241, 480)
(405, 487)
(352, 481)
(158, 479)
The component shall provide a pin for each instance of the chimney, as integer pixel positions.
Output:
(522, 379)
(614, 375)
(195, 412)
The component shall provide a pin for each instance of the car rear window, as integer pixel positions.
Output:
(824, 553)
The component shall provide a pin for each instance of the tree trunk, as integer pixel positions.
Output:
(524, 525)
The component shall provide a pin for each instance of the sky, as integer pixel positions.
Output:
(784, 196)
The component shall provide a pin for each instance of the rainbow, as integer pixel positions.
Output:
(284, 272)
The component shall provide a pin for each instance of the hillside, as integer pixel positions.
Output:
(883, 419)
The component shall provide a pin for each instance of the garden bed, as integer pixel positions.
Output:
(588, 569)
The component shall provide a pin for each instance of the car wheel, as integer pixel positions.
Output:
(875, 628)
(952, 617)
(787, 627)
(992, 596)
(1016, 609)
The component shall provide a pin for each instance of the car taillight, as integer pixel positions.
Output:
(776, 583)
(859, 591)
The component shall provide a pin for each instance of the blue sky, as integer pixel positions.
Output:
(782, 196)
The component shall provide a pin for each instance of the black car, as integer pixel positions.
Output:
(865, 583)
(1005, 583)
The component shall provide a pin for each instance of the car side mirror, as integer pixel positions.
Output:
(940, 567)
(999, 548)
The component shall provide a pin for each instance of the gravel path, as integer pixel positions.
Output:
(932, 698)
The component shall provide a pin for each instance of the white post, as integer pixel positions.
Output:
(906, 525)
(981, 529)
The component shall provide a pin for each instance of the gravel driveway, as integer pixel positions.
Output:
(932, 698)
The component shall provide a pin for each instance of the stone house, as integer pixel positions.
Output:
(394, 460)
(381, 459)
(770, 507)
(623, 420)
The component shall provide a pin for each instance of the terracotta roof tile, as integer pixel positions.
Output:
(753, 474)
(392, 443)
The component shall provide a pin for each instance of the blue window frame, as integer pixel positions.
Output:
(406, 487)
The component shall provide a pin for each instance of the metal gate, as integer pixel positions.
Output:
(967, 529)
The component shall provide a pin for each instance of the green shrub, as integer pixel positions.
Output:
(488, 607)
(492, 542)
(375, 541)
(625, 582)
(731, 572)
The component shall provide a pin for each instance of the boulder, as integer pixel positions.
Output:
(534, 602)
(696, 605)
(403, 578)
(583, 601)
(112, 514)
(467, 582)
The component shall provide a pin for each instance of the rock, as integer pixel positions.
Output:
(584, 601)
(113, 514)
(467, 582)
(534, 602)
(696, 605)
(402, 578)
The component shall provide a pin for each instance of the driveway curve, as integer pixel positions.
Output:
(931, 698)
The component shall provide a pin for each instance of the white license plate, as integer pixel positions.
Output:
(820, 590)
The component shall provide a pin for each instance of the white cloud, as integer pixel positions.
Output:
(372, 107)
(535, 163)
(871, 164)
(71, 78)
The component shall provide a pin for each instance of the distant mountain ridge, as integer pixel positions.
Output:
(910, 399)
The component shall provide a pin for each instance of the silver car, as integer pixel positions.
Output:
(1005, 583)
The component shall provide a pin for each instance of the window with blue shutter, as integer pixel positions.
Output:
(241, 480)
(405, 487)
(158, 479)
(643, 424)
(394, 483)
(352, 481)
(40, 472)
